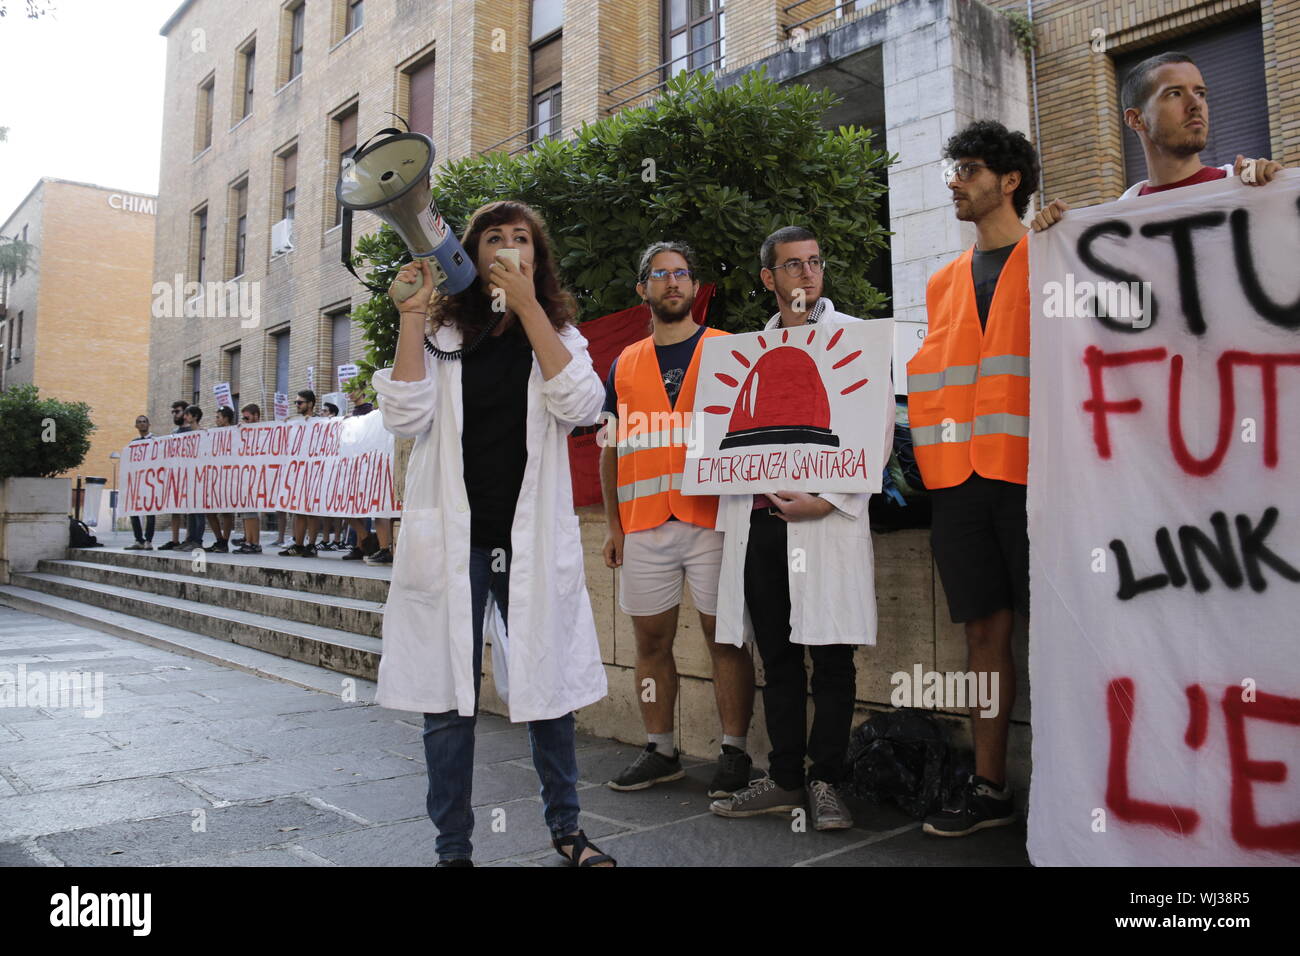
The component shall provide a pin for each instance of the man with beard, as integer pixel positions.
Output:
(1165, 104)
(821, 606)
(968, 400)
(657, 535)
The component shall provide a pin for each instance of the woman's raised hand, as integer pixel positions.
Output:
(413, 288)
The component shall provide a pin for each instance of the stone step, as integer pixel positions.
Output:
(328, 575)
(356, 655)
(212, 649)
(332, 611)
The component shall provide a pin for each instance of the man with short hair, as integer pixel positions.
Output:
(1164, 102)
(178, 425)
(968, 404)
(304, 526)
(250, 415)
(195, 522)
(657, 535)
(833, 587)
(143, 538)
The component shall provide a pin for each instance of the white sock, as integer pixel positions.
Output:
(663, 743)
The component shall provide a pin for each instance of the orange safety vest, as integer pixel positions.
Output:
(652, 441)
(968, 390)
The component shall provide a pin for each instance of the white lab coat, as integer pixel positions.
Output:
(549, 662)
(833, 590)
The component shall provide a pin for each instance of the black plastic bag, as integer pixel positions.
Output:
(905, 758)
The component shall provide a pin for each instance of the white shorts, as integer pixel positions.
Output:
(656, 560)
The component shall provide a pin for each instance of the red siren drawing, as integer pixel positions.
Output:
(781, 402)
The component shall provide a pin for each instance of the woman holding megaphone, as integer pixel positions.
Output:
(489, 382)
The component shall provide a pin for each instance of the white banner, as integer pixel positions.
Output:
(791, 410)
(321, 466)
(1164, 524)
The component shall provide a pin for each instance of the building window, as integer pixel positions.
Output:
(289, 183)
(694, 33)
(245, 71)
(16, 344)
(280, 352)
(345, 127)
(419, 97)
(355, 16)
(199, 245)
(291, 39)
(239, 219)
(340, 326)
(193, 371)
(547, 58)
(233, 357)
(203, 115)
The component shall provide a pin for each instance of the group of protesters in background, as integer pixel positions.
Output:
(363, 539)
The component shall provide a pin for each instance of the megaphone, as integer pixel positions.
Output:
(390, 177)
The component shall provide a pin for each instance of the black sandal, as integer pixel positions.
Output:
(579, 843)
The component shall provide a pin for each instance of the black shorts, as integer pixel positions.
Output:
(980, 539)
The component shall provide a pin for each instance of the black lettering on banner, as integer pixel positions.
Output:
(1283, 316)
(1086, 256)
(1180, 233)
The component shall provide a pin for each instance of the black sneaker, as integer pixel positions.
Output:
(980, 806)
(369, 544)
(457, 862)
(649, 767)
(219, 546)
(190, 546)
(299, 551)
(732, 774)
(382, 556)
(170, 546)
(356, 554)
(247, 548)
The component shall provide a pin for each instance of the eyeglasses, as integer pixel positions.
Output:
(961, 171)
(794, 267)
(681, 275)
(299, 401)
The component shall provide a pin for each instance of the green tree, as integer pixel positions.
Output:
(717, 168)
(41, 437)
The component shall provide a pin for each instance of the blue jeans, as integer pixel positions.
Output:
(449, 739)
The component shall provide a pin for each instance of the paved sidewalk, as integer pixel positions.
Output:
(197, 764)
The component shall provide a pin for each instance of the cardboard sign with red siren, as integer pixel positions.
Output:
(791, 410)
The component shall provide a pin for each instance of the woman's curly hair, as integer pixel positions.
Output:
(470, 310)
(1003, 151)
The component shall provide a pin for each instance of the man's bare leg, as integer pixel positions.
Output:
(733, 681)
(654, 663)
(988, 641)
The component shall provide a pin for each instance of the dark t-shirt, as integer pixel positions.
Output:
(674, 360)
(494, 388)
(365, 408)
(985, 268)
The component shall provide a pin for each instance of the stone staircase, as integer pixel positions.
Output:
(255, 612)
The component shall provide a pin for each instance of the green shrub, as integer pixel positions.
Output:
(41, 437)
(719, 169)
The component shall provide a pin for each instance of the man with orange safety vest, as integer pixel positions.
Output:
(657, 535)
(968, 403)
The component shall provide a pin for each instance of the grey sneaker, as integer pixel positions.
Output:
(649, 767)
(827, 807)
(763, 796)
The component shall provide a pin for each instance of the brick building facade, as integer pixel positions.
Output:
(76, 321)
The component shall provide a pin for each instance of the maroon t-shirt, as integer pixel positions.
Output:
(1205, 174)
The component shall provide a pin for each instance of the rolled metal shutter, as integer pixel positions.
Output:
(1231, 58)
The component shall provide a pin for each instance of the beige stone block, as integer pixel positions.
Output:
(618, 714)
(904, 608)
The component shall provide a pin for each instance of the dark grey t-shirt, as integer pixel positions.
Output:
(985, 268)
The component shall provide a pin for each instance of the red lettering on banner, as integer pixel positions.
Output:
(1246, 828)
(1199, 718)
(1099, 405)
(1120, 706)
